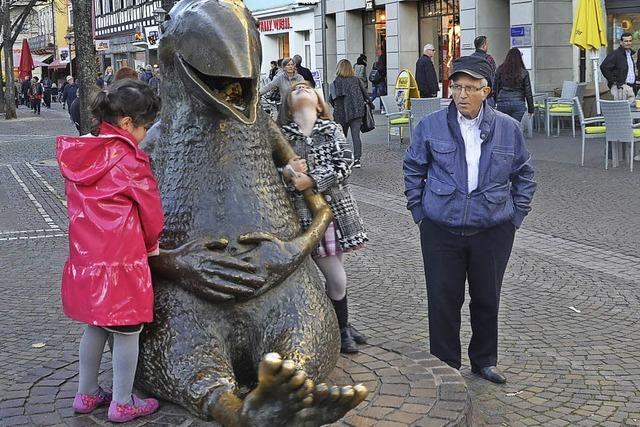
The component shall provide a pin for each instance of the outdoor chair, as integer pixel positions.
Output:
(562, 106)
(539, 109)
(421, 107)
(395, 117)
(619, 130)
(591, 127)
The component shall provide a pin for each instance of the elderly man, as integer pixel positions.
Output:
(619, 70)
(469, 184)
(426, 76)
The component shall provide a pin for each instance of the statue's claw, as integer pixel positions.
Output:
(330, 404)
(281, 393)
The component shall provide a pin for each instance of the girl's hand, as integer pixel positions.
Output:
(299, 165)
(303, 182)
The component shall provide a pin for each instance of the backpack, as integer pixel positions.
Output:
(375, 76)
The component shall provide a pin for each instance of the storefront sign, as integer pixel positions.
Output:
(521, 36)
(102, 45)
(152, 36)
(64, 55)
(369, 5)
(275, 24)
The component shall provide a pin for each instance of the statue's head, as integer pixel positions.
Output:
(214, 48)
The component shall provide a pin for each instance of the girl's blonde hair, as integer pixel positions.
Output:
(285, 116)
(344, 69)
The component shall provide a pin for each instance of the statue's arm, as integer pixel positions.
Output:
(322, 216)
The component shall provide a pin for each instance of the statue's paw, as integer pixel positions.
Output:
(330, 404)
(281, 393)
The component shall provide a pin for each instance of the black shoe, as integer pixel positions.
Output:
(356, 163)
(347, 343)
(358, 337)
(490, 373)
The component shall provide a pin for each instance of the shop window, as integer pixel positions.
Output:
(618, 23)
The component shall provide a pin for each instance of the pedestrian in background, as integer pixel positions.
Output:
(303, 71)
(100, 81)
(283, 81)
(154, 82)
(36, 94)
(348, 98)
(426, 76)
(126, 73)
(619, 70)
(46, 84)
(108, 75)
(62, 87)
(324, 164)
(481, 44)
(26, 86)
(70, 92)
(147, 73)
(115, 220)
(469, 185)
(378, 77)
(274, 70)
(361, 71)
(512, 86)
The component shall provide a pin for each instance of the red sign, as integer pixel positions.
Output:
(275, 24)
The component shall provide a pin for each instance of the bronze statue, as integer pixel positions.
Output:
(243, 328)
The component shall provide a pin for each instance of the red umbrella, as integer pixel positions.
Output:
(26, 61)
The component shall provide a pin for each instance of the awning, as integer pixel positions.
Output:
(58, 65)
(41, 60)
(38, 60)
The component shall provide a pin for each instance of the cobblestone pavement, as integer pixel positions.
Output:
(569, 316)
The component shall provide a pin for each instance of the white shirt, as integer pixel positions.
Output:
(631, 75)
(470, 130)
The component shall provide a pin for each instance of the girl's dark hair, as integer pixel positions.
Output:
(512, 67)
(362, 60)
(124, 98)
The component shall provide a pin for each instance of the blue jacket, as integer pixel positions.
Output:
(435, 173)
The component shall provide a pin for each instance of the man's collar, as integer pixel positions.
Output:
(474, 121)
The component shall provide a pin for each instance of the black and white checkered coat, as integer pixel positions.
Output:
(329, 160)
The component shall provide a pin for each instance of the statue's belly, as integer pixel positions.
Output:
(225, 187)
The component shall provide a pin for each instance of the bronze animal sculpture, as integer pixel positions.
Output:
(243, 328)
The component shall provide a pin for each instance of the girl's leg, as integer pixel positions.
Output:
(91, 349)
(345, 129)
(332, 269)
(125, 361)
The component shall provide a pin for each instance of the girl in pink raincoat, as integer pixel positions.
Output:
(115, 220)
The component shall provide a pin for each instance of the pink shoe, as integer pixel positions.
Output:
(85, 403)
(123, 412)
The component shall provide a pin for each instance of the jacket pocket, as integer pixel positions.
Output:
(501, 163)
(439, 202)
(444, 155)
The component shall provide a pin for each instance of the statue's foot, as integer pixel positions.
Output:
(330, 404)
(281, 393)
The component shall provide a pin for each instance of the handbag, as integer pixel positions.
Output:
(368, 122)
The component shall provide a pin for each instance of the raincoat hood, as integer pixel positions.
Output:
(85, 159)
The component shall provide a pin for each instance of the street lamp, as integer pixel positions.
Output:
(70, 38)
(160, 15)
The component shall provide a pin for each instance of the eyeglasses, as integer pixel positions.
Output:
(468, 89)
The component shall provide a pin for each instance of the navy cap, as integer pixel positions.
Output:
(475, 66)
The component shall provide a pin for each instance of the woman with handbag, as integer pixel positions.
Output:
(348, 98)
(324, 164)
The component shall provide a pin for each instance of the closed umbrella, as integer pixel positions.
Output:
(26, 61)
(589, 33)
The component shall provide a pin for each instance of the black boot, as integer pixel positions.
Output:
(358, 336)
(347, 343)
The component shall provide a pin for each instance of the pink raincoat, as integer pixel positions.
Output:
(115, 219)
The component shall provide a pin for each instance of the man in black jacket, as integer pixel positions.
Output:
(619, 70)
(303, 71)
(426, 73)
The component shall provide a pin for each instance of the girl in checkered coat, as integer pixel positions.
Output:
(324, 164)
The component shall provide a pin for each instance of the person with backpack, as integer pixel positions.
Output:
(378, 76)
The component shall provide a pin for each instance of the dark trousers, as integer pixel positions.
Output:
(35, 105)
(450, 260)
(514, 109)
(354, 125)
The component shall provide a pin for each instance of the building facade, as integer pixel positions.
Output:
(398, 28)
(286, 31)
(126, 33)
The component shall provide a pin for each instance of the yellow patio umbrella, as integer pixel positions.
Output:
(589, 33)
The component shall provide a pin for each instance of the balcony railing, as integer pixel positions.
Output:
(42, 41)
